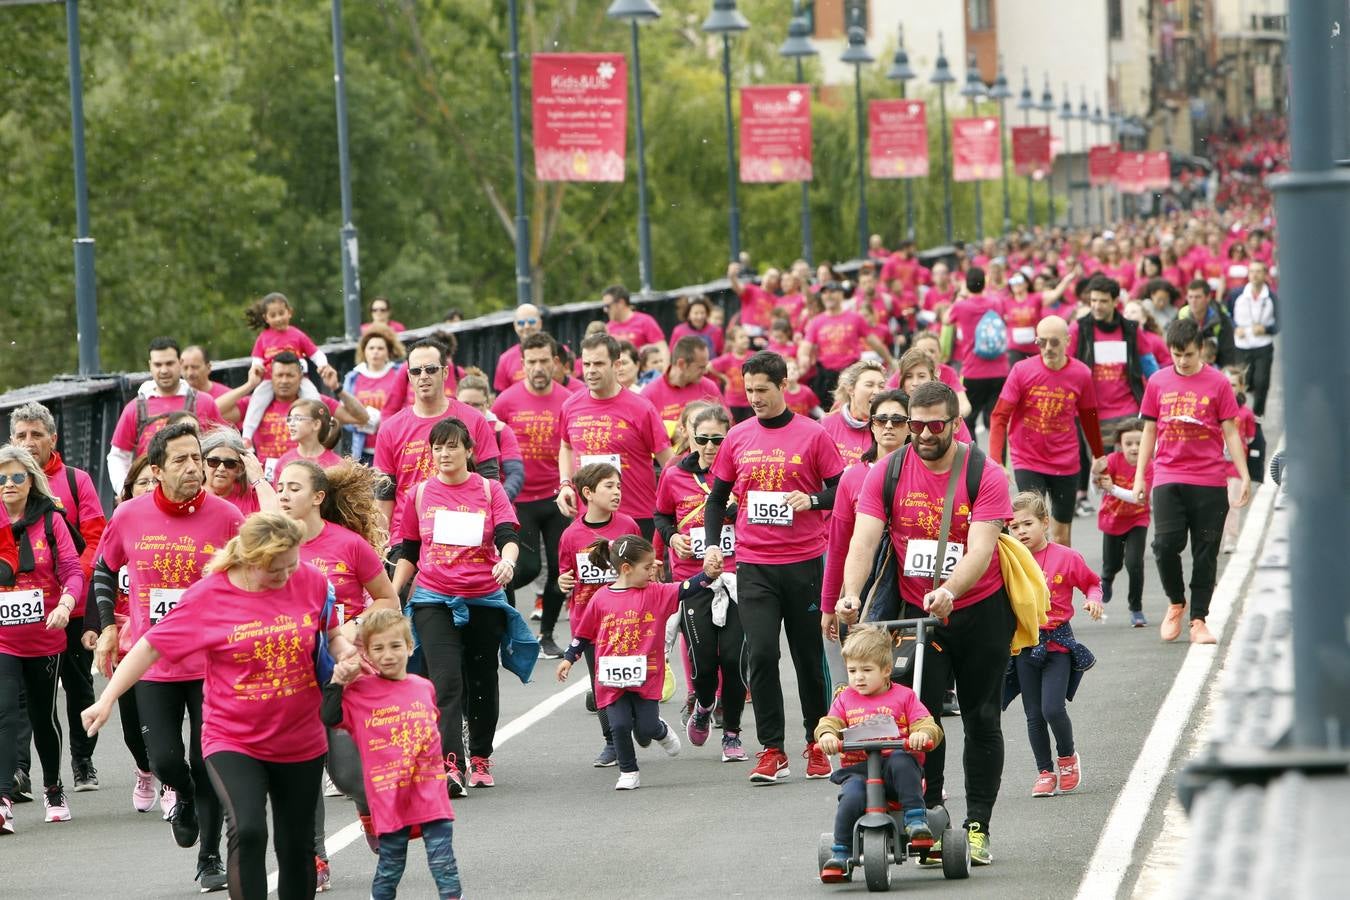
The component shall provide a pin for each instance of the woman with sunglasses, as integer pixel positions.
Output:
(380, 317)
(714, 649)
(233, 473)
(40, 577)
(889, 419)
(315, 432)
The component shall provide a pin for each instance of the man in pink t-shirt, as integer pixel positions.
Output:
(834, 341)
(683, 382)
(197, 373)
(983, 378)
(757, 301)
(1190, 416)
(626, 323)
(510, 369)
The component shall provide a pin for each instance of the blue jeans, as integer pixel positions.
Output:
(904, 782)
(438, 837)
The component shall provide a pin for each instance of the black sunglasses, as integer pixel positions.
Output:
(215, 462)
(713, 439)
(934, 426)
(895, 419)
(415, 371)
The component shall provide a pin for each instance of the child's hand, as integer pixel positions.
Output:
(712, 565)
(919, 742)
(1094, 609)
(563, 668)
(330, 378)
(829, 744)
(567, 581)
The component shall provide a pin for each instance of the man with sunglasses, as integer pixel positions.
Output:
(1038, 413)
(783, 469)
(683, 382)
(510, 367)
(977, 620)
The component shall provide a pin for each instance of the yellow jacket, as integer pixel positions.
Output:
(1027, 591)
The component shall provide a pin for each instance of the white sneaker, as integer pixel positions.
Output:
(143, 794)
(54, 800)
(168, 799)
(671, 742)
(330, 789)
(628, 781)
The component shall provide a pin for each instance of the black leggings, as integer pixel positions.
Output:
(1180, 510)
(130, 716)
(344, 767)
(715, 651)
(633, 716)
(590, 671)
(77, 679)
(983, 395)
(162, 705)
(462, 666)
(1044, 690)
(245, 785)
(1258, 362)
(37, 676)
(1125, 550)
(541, 528)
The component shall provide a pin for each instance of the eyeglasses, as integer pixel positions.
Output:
(292, 420)
(376, 309)
(525, 323)
(894, 419)
(215, 462)
(713, 439)
(934, 426)
(18, 478)
(417, 371)
(148, 482)
(1048, 342)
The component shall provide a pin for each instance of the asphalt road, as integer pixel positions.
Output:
(554, 825)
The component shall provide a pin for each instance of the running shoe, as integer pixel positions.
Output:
(628, 781)
(368, 829)
(980, 854)
(687, 710)
(548, 649)
(917, 830)
(699, 725)
(732, 751)
(670, 741)
(211, 874)
(454, 781)
(1045, 785)
(835, 870)
(330, 789)
(1084, 509)
(54, 799)
(323, 876)
(538, 612)
(1200, 633)
(771, 768)
(934, 856)
(86, 776)
(168, 798)
(1070, 773)
(1137, 619)
(183, 821)
(1171, 626)
(6, 816)
(23, 787)
(607, 757)
(817, 763)
(950, 705)
(590, 702)
(717, 713)
(480, 772)
(143, 794)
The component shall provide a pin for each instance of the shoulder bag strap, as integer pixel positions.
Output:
(952, 478)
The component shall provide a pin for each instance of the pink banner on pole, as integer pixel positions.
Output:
(1157, 175)
(580, 116)
(897, 136)
(1130, 172)
(1102, 164)
(776, 133)
(976, 150)
(1031, 150)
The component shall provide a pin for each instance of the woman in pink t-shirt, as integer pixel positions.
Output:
(377, 382)
(233, 473)
(256, 617)
(625, 623)
(696, 322)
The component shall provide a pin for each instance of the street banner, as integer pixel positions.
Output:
(1157, 175)
(1130, 172)
(1031, 150)
(776, 133)
(976, 150)
(1102, 164)
(580, 116)
(897, 137)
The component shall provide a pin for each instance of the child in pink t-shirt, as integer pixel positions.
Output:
(1123, 520)
(272, 316)
(626, 624)
(392, 717)
(871, 696)
(1246, 422)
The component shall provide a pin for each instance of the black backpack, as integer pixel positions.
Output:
(144, 419)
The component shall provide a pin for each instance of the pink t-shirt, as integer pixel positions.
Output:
(271, 342)
(324, 460)
(261, 694)
(124, 434)
(757, 309)
(573, 549)
(640, 329)
(729, 366)
(966, 315)
(394, 725)
(801, 401)
(1065, 569)
(711, 335)
(1247, 429)
(670, 401)
(839, 339)
(23, 618)
(535, 421)
(1114, 398)
(1155, 345)
(84, 512)
(917, 515)
(383, 393)
(896, 702)
(403, 446)
(626, 426)
(217, 390)
(245, 499)
(273, 438)
(1115, 516)
(630, 622)
(1022, 316)
(1189, 410)
(348, 562)
(460, 563)
(757, 460)
(851, 442)
(510, 368)
(681, 495)
(164, 555)
(1043, 431)
(842, 518)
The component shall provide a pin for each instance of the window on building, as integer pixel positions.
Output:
(1115, 19)
(830, 18)
(979, 15)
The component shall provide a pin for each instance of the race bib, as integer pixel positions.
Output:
(458, 529)
(611, 458)
(270, 470)
(1024, 335)
(589, 573)
(124, 580)
(621, 671)
(926, 317)
(921, 557)
(340, 611)
(768, 508)
(727, 542)
(1108, 353)
(20, 608)
(163, 601)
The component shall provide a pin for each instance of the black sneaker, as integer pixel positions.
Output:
(183, 821)
(590, 702)
(23, 787)
(688, 710)
(548, 649)
(86, 776)
(949, 705)
(211, 874)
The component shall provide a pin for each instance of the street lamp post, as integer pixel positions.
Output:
(523, 286)
(635, 11)
(1085, 116)
(1048, 107)
(942, 76)
(1098, 121)
(857, 55)
(900, 71)
(351, 272)
(973, 90)
(1001, 93)
(1066, 115)
(797, 47)
(725, 20)
(1026, 103)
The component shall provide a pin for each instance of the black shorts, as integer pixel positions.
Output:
(1061, 489)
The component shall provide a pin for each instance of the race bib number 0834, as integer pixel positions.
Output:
(20, 608)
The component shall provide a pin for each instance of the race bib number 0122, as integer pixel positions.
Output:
(921, 557)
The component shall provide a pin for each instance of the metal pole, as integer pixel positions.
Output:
(1003, 155)
(807, 253)
(1050, 216)
(732, 174)
(644, 220)
(1087, 177)
(1313, 205)
(1031, 202)
(946, 166)
(862, 163)
(909, 192)
(1068, 170)
(523, 282)
(979, 203)
(86, 299)
(351, 275)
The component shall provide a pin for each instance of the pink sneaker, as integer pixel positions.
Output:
(168, 799)
(454, 779)
(1045, 785)
(6, 817)
(480, 772)
(817, 763)
(1070, 773)
(143, 794)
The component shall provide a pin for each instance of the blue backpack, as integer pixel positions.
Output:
(991, 336)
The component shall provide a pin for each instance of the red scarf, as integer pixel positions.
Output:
(53, 465)
(174, 508)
